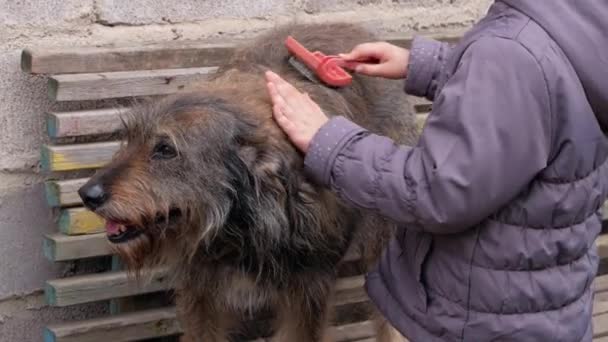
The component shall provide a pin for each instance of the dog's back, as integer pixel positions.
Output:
(380, 105)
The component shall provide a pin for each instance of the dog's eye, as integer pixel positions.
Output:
(163, 150)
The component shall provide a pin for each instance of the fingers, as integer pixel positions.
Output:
(283, 88)
(364, 51)
(280, 109)
(282, 120)
(277, 99)
(370, 69)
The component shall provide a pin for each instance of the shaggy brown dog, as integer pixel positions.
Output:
(210, 187)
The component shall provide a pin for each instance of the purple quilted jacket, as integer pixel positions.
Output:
(499, 201)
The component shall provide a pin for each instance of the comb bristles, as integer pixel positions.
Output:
(303, 69)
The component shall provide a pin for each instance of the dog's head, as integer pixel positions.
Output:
(192, 167)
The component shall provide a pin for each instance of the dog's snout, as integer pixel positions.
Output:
(93, 195)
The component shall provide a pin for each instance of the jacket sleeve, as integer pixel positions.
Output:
(426, 63)
(488, 136)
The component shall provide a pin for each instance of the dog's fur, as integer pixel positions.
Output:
(232, 214)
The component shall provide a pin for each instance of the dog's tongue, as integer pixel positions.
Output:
(112, 228)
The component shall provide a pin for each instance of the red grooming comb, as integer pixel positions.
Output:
(329, 69)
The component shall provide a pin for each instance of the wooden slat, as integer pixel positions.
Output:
(103, 286)
(94, 155)
(158, 323)
(421, 104)
(117, 328)
(107, 120)
(95, 287)
(602, 245)
(76, 87)
(83, 122)
(77, 221)
(600, 307)
(420, 121)
(354, 331)
(600, 283)
(64, 193)
(78, 156)
(600, 326)
(61, 247)
(169, 55)
(350, 290)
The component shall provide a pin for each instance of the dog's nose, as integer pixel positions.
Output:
(93, 195)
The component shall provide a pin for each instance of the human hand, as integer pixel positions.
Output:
(391, 60)
(296, 113)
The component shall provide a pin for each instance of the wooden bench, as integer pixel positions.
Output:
(81, 141)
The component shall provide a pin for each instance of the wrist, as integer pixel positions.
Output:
(423, 66)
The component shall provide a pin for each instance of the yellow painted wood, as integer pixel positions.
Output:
(79, 221)
(77, 156)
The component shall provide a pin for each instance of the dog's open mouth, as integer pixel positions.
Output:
(119, 232)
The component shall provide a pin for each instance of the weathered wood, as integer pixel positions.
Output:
(103, 286)
(602, 245)
(600, 326)
(600, 307)
(107, 120)
(600, 287)
(420, 121)
(75, 87)
(77, 156)
(169, 55)
(123, 304)
(77, 221)
(95, 287)
(64, 193)
(350, 290)
(354, 331)
(84, 122)
(160, 322)
(91, 156)
(421, 105)
(117, 328)
(61, 247)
